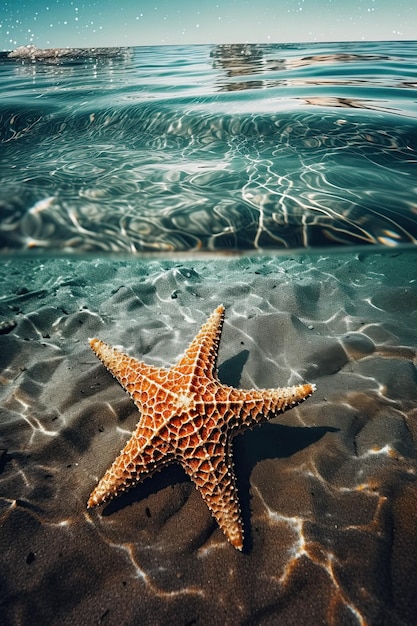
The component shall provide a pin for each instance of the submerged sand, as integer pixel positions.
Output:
(328, 489)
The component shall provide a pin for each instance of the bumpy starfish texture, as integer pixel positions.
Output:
(188, 416)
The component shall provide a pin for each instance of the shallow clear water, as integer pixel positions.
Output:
(210, 148)
(328, 489)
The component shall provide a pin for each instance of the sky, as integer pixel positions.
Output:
(93, 23)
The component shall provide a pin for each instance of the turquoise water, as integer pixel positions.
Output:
(227, 148)
(202, 148)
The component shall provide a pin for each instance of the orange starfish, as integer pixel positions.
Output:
(188, 416)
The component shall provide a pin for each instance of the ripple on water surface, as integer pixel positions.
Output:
(210, 148)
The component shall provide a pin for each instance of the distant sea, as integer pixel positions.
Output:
(209, 148)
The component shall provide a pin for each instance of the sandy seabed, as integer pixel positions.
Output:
(328, 489)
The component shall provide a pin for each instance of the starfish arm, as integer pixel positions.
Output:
(139, 379)
(200, 356)
(257, 405)
(214, 478)
(139, 459)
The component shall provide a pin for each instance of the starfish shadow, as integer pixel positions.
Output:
(268, 441)
(231, 370)
(168, 476)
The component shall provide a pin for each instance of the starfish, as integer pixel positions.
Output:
(188, 416)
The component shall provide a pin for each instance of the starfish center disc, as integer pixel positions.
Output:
(184, 401)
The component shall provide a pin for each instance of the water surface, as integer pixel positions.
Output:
(202, 148)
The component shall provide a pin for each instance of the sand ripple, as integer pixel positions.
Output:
(328, 489)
